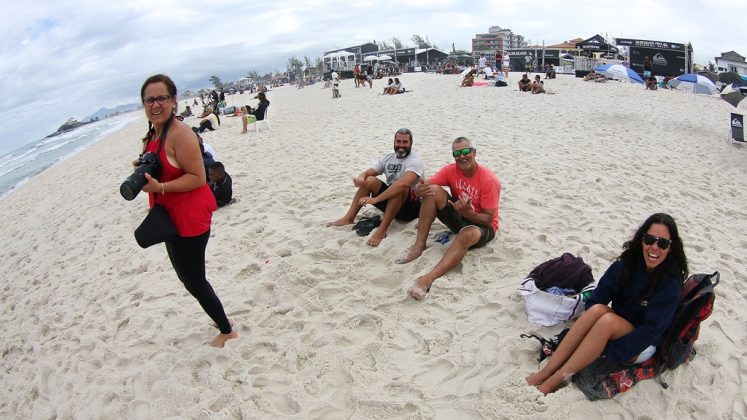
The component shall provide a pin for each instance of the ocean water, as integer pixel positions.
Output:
(30, 160)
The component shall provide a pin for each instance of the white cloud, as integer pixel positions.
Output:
(59, 59)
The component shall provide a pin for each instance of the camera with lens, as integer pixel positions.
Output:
(147, 163)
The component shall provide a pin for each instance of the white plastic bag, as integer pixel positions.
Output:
(548, 309)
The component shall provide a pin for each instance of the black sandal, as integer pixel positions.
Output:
(366, 224)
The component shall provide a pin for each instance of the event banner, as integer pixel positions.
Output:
(642, 43)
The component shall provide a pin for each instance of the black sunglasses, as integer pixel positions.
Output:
(462, 152)
(663, 243)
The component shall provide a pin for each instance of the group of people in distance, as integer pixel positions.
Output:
(626, 316)
(536, 86)
(361, 77)
(394, 87)
(469, 209)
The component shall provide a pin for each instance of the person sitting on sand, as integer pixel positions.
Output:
(252, 115)
(591, 75)
(220, 183)
(396, 198)
(396, 88)
(389, 84)
(652, 83)
(538, 86)
(470, 210)
(209, 121)
(550, 74)
(643, 285)
(469, 79)
(187, 112)
(525, 85)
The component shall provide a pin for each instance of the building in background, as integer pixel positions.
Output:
(731, 61)
(496, 40)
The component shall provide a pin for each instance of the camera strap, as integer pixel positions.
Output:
(162, 138)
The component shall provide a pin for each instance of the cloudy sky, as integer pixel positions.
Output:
(62, 59)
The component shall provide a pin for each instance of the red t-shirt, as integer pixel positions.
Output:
(191, 211)
(483, 188)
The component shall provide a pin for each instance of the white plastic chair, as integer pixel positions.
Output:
(266, 120)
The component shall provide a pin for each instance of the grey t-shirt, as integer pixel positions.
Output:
(393, 168)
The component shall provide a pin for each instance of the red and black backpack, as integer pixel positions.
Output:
(696, 304)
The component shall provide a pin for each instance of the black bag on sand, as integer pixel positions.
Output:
(156, 228)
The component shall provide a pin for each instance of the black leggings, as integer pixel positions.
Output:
(187, 255)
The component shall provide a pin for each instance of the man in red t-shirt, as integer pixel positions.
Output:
(470, 211)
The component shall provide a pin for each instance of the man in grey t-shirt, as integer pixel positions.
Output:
(396, 197)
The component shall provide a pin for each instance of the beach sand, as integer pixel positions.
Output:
(95, 327)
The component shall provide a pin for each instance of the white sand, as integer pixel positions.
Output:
(95, 327)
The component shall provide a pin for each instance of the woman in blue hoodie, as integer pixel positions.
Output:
(643, 285)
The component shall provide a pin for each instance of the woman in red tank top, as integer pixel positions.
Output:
(181, 189)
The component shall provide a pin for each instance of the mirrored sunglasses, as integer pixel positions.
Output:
(462, 152)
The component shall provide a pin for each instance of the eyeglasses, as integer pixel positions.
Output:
(462, 152)
(150, 100)
(663, 243)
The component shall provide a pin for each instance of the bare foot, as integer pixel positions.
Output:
(536, 378)
(340, 222)
(552, 383)
(243, 132)
(419, 289)
(411, 254)
(376, 238)
(220, 339)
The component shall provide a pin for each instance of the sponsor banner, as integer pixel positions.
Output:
(522, 53)
(737, 127)
(664, 62)
(642, 43)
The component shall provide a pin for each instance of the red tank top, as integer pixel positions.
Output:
(191, 211)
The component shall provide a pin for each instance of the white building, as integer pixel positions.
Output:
(731, 61)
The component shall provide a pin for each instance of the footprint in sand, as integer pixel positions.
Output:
(434, 373)
(140, 402)
(486, 350)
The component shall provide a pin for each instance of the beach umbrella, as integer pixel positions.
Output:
(732, 95)
(371, 58)
(385, 57)
(602, 67)
(708, 75)
(695, 83)
(729, 77)
(620, 72)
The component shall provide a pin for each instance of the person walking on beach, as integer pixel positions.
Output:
(644, 286)
(396, 197)
(357, 75)
(182, 190)
(481, 63)
(369, 75)
(470, 211)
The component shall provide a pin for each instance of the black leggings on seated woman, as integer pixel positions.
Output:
(187, 255)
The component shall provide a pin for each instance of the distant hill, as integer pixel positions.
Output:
(108, 112)
(70, 124)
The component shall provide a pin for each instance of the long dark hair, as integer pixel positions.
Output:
(170, 86)
(674, 265)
